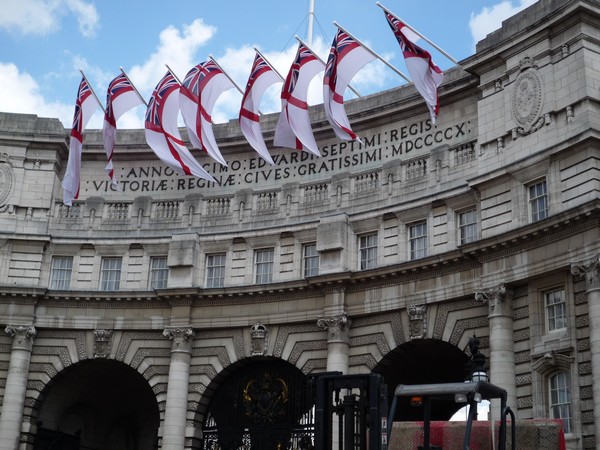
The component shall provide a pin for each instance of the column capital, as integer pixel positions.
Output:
(589, 269)
(337, 326)
(498, 298)
(181, 338)
(23, 335)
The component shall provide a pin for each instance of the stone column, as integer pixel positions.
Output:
(11, 417)
(591, 271)
(338, 342)
(502, 347)
(174, 426)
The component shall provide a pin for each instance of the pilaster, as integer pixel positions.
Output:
(174, 428)
(590, 270)
(11, 417)
(502, 346)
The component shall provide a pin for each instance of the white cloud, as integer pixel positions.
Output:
(490, 19)
(179, 49)
(41, 17)
(176, 48)
(22, 95)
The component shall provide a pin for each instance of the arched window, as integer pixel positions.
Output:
(560, 398)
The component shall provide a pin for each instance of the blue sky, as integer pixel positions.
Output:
(45, 42)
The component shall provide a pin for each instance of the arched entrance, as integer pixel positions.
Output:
(260, 404)
(97, 404)
(423, 361)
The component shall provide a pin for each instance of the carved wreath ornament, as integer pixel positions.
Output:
(527, 98)
(7, 181)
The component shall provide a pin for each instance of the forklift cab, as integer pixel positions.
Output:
(470, 392)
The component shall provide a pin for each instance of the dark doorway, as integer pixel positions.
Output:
(266, 404)
(98, 404)
(423, 361)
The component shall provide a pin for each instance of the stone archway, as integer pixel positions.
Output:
(423, 361)
(97, 404)
(259, 403)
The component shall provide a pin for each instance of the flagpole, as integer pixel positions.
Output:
(447, 55)
(173, 73)
(311, 18)
(134, 88)
(373, 53)
(325, 64)
(93, 93)
(226, 74)
(270, 65)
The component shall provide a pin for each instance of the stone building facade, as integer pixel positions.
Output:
(131, 317)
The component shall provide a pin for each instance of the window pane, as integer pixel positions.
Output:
(560, 399)
(215, 270)
(110, 274)
(368, 251)
(159, 272)
(418, 240)
(60, 276)
(468, 226)
(264, 266)
(311, 260)
(538, 201)
(556, 309)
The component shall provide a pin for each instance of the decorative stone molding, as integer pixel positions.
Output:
(259, 334)
(552, 361)
(500, 143)
(7, 181)
(417, 316)
(337, 326)
(498, 85)
(570, 113)
(590, 270)
(103, 341)
(23, 335)
(499, 299)
(181, 338)
(527, 98)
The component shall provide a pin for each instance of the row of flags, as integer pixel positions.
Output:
(196, 95)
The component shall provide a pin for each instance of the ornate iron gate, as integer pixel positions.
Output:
(267, 405)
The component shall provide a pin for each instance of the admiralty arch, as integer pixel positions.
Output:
(183, 314)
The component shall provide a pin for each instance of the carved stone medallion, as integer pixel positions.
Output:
(7, 182)
(527, 97)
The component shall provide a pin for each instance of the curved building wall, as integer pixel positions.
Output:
(485, 223)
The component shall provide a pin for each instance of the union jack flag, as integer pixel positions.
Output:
(198, 76)
(155, 106)
(303, 56)
(259, 67)
(118, 86)
(426, 76)
(342, 44)
(408, 47)
(82, 95)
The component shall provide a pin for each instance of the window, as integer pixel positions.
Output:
(556, 310)
(538, 201)
(110, 274)
(467, 224)
(215, 270)
(368, 251)
(311, 260)
(264, 265)
(560, 399)
(159, 272)
(418, 240)
(60, 276)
